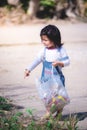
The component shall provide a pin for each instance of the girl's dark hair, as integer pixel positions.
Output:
(53, 33)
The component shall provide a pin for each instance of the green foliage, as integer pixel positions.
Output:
(14, 123)
(18, 121)
(72, 124)
(85, 3)
(4, 105)
(32, 125)
(2, 100)
(49, 125)
(47, 3)
(25, 4)
(85, 0)
(10, 122)
(47, 9)
(30, 112)
(86, 12)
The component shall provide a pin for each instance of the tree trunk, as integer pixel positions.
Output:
(33, 8)
(80, 7)
(13, 2)
(61, 7)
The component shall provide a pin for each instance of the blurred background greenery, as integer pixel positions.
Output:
(24, 10)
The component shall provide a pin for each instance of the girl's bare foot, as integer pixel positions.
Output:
(46, 116)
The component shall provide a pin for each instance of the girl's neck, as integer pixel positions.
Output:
(51, 48)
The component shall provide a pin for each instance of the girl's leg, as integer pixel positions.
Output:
(47, 115)
(55, 114)
(47, 112)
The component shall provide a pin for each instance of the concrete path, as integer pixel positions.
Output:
(19, 53)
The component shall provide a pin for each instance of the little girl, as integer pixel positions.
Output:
(53, 54)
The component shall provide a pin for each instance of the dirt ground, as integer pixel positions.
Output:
(19, 46)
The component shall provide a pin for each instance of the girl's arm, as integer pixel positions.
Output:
(64, 57)
(58, 63)
(63, 60)
(35, 63)
(32, 66)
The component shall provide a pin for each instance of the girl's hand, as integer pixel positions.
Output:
(27, 73)
(58, 63)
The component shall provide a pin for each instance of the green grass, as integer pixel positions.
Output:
(5, 104)
(14, 120)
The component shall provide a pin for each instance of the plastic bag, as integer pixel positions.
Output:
(52, 93)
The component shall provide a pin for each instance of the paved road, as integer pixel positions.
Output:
(14, 59)
(30, 33)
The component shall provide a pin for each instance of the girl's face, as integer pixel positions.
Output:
(47, 42)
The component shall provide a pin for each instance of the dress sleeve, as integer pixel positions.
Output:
(64, 57)
(39, 58)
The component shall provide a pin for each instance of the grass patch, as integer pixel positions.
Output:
(5, 104)
(14, 120)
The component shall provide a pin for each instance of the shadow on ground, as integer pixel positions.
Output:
(80, 116)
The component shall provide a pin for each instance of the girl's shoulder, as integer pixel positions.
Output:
(42, 50)
(61, 49)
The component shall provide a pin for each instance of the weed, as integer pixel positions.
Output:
(17, 121)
